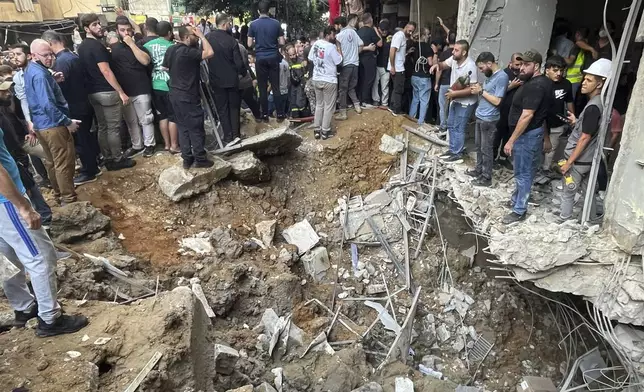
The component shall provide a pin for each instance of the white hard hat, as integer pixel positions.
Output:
(600, 68)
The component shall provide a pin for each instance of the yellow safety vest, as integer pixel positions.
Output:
(574, 74)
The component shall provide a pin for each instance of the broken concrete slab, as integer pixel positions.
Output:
(403, 384)
(390, 145)
(266, 231)
(199, 245)
(225, 359)
(301, 235)
(248, 169)
(380, 197)
(178, 183)
(76, 221)
(316, 263)
(273, 142)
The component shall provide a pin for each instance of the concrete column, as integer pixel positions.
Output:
(624, 206)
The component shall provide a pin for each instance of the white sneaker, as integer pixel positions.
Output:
(358, 108)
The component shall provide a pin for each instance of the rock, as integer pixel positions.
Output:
(265, 387)
(391, 146)
(266, 231)
(225, 359)
(371, 387)
(178, 183)
(42, 365)
(200, 246)
(274, 142)
(376, 289)
(246, 388)
(75, 221)
(225, 243)
(301, 235)
(316, 263)
(380, 197)
(248, 169)
(287, 257)
(459, 344)
(463, 388)
(403, 384)
(442, 333)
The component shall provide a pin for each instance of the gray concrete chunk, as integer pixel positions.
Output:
(265, 387)
(247, 168)
(403, 384)
(301, 235)
(274, 142)
(178, 183)
(391, 146)
(371, 387)
(266, 231)
(316, 263)
(225, 359)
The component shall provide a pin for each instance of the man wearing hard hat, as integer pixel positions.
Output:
(583, 141)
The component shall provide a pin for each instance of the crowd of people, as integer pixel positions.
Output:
(103, 102)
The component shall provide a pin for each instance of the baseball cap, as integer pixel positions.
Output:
(531, 56)
(6, 83)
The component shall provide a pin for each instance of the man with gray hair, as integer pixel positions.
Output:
(75, 93)
(51, 121)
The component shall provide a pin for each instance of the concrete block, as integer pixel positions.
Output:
(316, 263)
(247, 168)
(301, 235)
(380, 197)
(177, 183)
(371, 387)
(403, 384)
(274, 142)
(75, 221)
(225, 359)
(391, 146)
(266, 231)
(265, 387)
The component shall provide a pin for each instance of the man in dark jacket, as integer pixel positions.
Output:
(225, 68)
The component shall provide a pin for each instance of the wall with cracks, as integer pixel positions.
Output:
(507, 26)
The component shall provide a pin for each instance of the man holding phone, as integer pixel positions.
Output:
(562, 102)
(51, 122)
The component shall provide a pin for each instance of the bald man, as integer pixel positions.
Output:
(51, 121)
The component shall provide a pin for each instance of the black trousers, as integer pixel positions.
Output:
(192, 136)
(366, 77)
(269, 70)
(248, 95)
(227, 102)
(501, 137)
(86, 145)
(398, 90)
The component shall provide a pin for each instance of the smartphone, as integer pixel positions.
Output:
(562, 118)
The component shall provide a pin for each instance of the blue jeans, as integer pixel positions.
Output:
(442, 105)
(526, 153)
(40, 205)
(422, 90)
(459, 115)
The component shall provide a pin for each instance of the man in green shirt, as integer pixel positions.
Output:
(160, 90)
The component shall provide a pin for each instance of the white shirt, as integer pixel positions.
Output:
(325, 58)
(399, 41)
(468, 66)
(350, 43)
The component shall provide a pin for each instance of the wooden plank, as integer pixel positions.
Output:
(144, 372)
(198, 291)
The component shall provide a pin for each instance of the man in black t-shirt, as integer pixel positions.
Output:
(381, 81)
(183, 62)
(528, 113)
(421, 78)
(130, 62)
(562, 103)
(502, 128)
(105, 93)
(367, 71)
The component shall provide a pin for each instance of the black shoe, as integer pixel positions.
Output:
(21, 318)
(513, 217)
(83, 179)
(124, 163)
(266, 119)
(325, 135)
(45, 184)
(204, 164)
(482, 182)
(148, 151)
(63, 324)
(316, 134)
(281, 119)
(133, 152)
(187, 164)
(445, 155)
(473, 173)
(454, 159)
